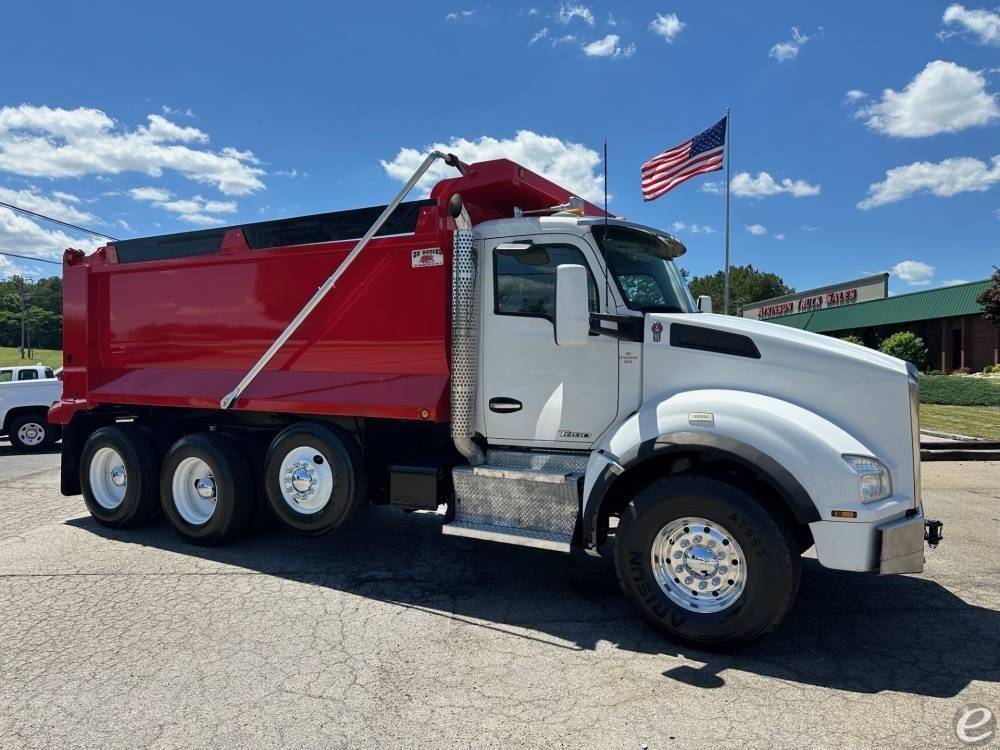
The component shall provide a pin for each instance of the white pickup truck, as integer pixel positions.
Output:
(26, 393)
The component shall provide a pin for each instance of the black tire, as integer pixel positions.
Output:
(340, 452)
(772, 565)
(33, 424)
(142, 473)
(233, 488)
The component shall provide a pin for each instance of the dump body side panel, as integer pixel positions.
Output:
(182, 331)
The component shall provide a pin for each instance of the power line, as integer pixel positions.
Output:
(56, 221)
(28, 257)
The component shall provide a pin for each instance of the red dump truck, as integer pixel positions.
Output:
(509, 356)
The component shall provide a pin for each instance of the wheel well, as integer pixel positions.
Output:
(20, 411)
(764, 489)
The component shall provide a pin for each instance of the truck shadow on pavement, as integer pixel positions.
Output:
(854, 632)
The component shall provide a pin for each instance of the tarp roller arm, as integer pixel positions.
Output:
(231, 397)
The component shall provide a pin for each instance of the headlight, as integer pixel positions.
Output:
(873, 477)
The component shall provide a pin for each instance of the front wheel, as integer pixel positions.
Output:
(704, 563)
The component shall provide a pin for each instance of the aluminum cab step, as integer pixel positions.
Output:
(512, 502)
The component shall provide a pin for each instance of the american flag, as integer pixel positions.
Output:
(696, 156)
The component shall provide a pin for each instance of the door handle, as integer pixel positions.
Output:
(504, 405)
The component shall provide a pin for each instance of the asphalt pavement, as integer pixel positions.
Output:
(389, 635)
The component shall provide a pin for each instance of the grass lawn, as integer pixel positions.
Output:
(50, 357)
(974, 421)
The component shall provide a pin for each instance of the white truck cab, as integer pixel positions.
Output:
(26, 393)
(713, 449)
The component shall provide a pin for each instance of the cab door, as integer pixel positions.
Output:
(534, 392)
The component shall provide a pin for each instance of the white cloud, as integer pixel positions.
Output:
(171, 112)
(942, 98)
(943, 179)
(779, 236)
(954, 282)
(457, 14)
(612, 21)
(680, 226)
(565, 39)
(52, 142)
(58, 206)
(854, 96)
(744, 185)
(789, 50)
(571, 165)
(983, 24)
(608, 47)
(667, 25)
(196, 210)
(568, 11)
(913, 272)
(539, 35)
(756, 229)
(19, 234)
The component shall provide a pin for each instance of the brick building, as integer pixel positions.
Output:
(949, 320)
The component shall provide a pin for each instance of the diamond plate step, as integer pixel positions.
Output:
(522, 537)
(517, 504)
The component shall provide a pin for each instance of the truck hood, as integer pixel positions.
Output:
(864, 392)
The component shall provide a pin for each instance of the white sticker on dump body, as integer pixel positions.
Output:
(426, 258)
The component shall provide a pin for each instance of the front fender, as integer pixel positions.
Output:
(797, 450)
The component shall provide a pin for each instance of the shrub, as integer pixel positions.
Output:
(946, 389)
(907, 346)
(934, 372)
(853, 340)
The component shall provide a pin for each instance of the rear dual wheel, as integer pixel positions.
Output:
(207, 488)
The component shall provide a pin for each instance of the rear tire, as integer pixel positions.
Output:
(32, 432)
(704, 563)
(119, 476)
(314, 478)
(207, 488)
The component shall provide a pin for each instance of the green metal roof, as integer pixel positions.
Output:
(945, 302)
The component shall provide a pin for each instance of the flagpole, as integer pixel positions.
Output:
(725, 304)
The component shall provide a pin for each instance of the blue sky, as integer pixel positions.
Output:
(141, 119)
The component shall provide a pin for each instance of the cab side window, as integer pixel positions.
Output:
(28, 375)
(6, 376)
(525, 282)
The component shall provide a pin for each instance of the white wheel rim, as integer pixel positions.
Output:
(306, 480)
(108, 478)
(194, 491)
(699, 565)
(31, 433)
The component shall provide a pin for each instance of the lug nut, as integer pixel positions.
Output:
(689, 580)
(715, 581)
(702, 586)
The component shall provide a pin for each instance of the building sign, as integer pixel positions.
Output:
(834, 295)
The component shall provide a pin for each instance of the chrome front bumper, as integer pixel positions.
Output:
(902, 544)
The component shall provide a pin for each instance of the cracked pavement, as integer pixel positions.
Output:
(389, 635)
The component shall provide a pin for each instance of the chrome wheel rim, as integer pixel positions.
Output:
(698, 565)
(108, 478)
(306, 480)
(194, 491)
(31, 434)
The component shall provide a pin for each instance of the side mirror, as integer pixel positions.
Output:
(572, 306)
(705, 303)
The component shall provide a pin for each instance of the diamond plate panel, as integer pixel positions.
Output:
(519, 499)
(549, 461)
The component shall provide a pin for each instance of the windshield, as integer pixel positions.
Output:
(646, 276)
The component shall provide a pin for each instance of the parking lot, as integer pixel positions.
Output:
(389, 635)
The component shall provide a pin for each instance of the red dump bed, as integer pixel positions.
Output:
(177, 320)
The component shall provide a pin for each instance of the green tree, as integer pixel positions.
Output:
(853, 340)
(746, 284)
(989, 298)
(906, 345)
(44, 313)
